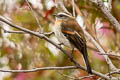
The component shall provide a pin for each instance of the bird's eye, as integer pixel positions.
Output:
(61, 15)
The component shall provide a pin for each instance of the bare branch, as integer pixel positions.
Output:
(18, 32)
(80, 78)
(114, 72)
(110, 4)
(107, 14)
(22, 32)
(48, 33)
(60, 3)
(110, 73)
(73, 5)
(112, 67)
(66, 76)
(34, 15)
(38, 69)
(111, 54)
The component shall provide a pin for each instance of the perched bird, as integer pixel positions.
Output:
(69, 33)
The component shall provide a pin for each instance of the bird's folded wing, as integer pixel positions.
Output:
(74, 33)
(75, 38)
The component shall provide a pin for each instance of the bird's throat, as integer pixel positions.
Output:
(60, 36)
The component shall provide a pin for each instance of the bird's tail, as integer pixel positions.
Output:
(85, 56)
(87, 63)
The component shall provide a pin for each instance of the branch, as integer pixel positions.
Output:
(18, 32)
(47, 33)
(66, 76)
(110, 5)
(110, 73)
(42, 13)
(110, 54)
(107, 14)
(34, 15)
(114, 72)
(112, 67)
(61, 5)
(73, 5)
(22, 32)
(73, 78)
(38, 69)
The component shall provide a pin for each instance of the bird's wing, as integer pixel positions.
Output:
(74, 34)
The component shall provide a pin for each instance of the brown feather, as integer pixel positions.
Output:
(68, 32)
(74, 33)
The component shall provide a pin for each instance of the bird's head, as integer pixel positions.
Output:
(63, 16)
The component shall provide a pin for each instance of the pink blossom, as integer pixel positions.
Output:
(98, 56)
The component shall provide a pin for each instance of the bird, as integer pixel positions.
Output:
(70, 34)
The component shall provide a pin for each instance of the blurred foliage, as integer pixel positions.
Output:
(24, 51)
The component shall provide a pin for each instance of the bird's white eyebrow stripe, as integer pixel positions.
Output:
(65, 14)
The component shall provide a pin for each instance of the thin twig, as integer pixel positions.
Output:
(73, 6)
(47, 33)
(80, 78)
(22, 32)
(107, 14)
(42, 13)
(6, 31)
(110, 5)
(34, 15)
(18, 32)
(110, 73)
(112, 67)
(110, 54)
(66, 76)
(60, 3)
(114, 72)
(38, 69)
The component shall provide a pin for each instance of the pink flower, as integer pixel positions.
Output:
(98, 56)
(22, 76)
